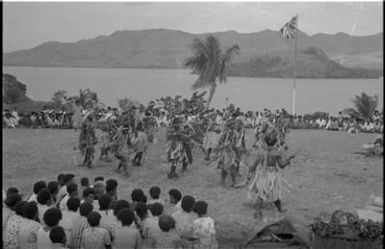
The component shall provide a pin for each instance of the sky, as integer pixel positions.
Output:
(28, 24)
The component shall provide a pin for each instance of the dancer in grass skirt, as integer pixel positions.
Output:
(212, 137)
(107, 128)
(226, 153)
(178, 145)
(119, 147)
(87, 138)
(266, 185)
(150, 126)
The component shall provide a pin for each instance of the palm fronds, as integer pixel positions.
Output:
(365, 106)
(210, 63)
(225, 62)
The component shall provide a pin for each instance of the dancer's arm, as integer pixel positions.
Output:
(283, 163)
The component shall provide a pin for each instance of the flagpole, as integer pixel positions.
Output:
(295, 69)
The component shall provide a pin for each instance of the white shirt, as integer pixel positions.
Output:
(43, 240)
(42, 209)
(63, 203)
(95, 205)
(62, 192)
(69, 218)
(33, 198)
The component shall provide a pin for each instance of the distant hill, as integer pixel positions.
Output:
(162, 48)
(311, 63)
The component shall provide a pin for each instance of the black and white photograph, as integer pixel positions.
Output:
(192, 125)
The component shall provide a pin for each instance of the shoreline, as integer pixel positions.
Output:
(177, 69)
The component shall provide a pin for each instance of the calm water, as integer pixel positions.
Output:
(148, 84)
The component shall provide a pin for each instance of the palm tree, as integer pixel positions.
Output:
(210, 63)
(365, 106)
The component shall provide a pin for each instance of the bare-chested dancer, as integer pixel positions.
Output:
(267, 180)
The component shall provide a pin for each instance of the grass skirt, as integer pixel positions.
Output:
(211, 140)
(105, 139)
(267, 184)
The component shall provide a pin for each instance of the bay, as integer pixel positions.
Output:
(329, 95)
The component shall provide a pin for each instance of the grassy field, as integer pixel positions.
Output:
(325, 175)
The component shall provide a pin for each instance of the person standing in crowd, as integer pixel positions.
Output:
(203, 228)
(95, 237)
(11, 238)
(79, 225)
(58, 238)
(51, 218)
(126, 235)
(29, 226)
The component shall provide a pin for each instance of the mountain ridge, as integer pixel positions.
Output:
(166, 48)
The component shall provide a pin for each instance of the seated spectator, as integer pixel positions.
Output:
(54, 189)
(10, 191)
(9, 207)
(80, 225)
(11, 232)
(184, 218)
(112, 191)
(127, 236)
(60, 180)
(66, 180)
(150, 225)
(175, 197)
(119, 206)
(203, 227)
(95, 237)
(137, 195)
(51, 219)
(89, 196)
(98, 179)
(107, 215)
(332, 124)
(29, 227)
(44, 202)
(99, 188)
(72, 192)
(141, 211)
(84, 183)
(167, 237)
(155, 195)
(36, 188)
(70, 215)
(369, 126)
(58, 238)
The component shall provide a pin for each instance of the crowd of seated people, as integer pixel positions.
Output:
(47, 118)
(339, 123)
(161, 111)
(65, 214)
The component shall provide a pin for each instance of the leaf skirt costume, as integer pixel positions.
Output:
(118, 144)
(211, 140)
(228, 157)
(266, 184)
(87, 140)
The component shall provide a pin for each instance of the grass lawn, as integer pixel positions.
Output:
(324, 176)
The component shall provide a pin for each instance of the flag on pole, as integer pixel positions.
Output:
(289, 29)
